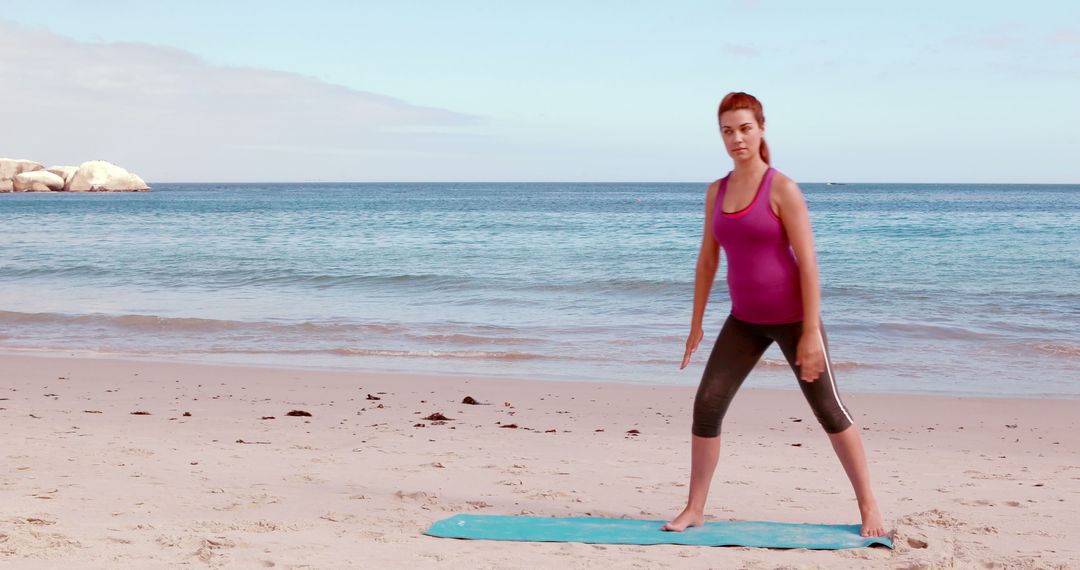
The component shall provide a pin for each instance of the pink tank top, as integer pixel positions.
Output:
(762, 274)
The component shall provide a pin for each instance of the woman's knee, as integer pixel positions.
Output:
(835, 419)
(705, 429)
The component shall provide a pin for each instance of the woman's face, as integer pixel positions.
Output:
(742, 135)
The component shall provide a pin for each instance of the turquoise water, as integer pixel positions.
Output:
(959, 289)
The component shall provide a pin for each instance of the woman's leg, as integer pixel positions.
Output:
(704, 454)
(737, 350)
(849, 448)
(824, 399)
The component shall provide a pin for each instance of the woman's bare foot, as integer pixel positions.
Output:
(685, 519)
(872, 524)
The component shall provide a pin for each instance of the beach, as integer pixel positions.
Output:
(320, 287)
(116, 462)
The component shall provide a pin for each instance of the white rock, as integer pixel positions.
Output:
(38, 181)
(9, 167)
(6, 186)
(65, 172)
(101, 176)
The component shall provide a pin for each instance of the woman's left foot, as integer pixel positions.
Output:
(871, 522)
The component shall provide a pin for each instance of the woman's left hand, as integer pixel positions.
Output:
(809, 356)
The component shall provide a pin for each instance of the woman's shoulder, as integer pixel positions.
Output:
(714, 187)
(783, 184)
(716, 184)
(781, 178)
(711, 193)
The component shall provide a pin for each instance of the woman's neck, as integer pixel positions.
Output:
(750, 168)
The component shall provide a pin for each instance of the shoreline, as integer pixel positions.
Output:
(202, 360)
(977, 480)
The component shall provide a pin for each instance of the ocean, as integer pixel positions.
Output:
(946, 289)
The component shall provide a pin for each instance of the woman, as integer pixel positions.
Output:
(758, 216)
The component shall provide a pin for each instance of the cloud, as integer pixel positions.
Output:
(740, 50)
(1024, 70)
(998, 41)
(1066, 36)
(1017, 38)
(170, 115)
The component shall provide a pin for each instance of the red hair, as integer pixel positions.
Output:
(740, 100)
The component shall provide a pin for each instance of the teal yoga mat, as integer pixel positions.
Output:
(593, 530)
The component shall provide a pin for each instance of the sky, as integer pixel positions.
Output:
(232, 91)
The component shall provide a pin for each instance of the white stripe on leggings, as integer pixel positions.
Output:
(832, 379)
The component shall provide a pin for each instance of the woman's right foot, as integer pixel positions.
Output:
(687, 518)
(872, 524)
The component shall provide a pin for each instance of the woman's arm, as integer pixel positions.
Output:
(796, 220)
(707, 264)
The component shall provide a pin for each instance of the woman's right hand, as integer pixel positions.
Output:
(692, 343)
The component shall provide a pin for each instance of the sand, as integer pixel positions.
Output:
(89, 483)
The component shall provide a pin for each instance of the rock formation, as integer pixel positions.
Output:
(92, 176)
(9, 167)
(101, 176)
(37, 181)
(65, 172)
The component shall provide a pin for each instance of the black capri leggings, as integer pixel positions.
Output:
(738, 348)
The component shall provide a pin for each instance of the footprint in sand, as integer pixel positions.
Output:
(212, 550)
(32, 521)
(253, 502)
(554, 496)
(258, 526)
(34, 543)
(418, 496)
(304, 478)
(338, 517)
(136, 451)
(933, 517)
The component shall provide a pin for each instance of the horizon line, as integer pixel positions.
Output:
(829, 182)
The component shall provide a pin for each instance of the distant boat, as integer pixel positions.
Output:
(835, 184)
